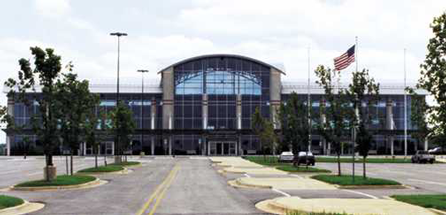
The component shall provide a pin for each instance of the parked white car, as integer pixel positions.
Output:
(286, 157)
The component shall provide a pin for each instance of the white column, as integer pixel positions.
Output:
(209, 147)
(152, 145)
(8, 145)
(170, 145)
(84, 148)
(426, 144)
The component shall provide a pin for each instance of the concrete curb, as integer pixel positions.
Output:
(237, 183)
(370, 187)
(125, 171)
(90, 184)
(24, 208)
(432, 209)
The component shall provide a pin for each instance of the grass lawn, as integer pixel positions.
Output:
(269, 161)
(108, 168)
(312, 213)
(291, 168)
(61, 180)
(9, 201)
(128, 163)
(427, 201)
(368, 160)
(359, 180)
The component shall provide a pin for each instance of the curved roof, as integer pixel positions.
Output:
(223, 55)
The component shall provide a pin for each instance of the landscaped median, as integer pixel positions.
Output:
(119, 168)
(274, 161)
(10, 205)
(61, 182)
(346, 181)
(287, 167)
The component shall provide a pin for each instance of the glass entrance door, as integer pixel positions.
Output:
(222, 148)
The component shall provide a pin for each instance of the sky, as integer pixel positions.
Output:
(161, 33)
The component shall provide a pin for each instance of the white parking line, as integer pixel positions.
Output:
(297, 176)
(246, 175)
(361, 193)
(7, 172)
(281, 192)
(35, 173)
(427, 182)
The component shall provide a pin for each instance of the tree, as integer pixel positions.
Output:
(362, 90)
(433, 74)
(268, 137)
(75, 102)
(258, 127)
(335, 126)
(46, 71)
(295, 123)
(123, 126)
(93, 133)
(418, 116)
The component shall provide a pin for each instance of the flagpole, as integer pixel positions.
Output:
(309, 102)
(405, 107)
(354, 126)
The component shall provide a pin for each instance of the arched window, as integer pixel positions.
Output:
(220, 76)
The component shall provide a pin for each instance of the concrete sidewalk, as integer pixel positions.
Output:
(285, 183)
(348, 206)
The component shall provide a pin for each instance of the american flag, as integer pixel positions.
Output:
(345, 59)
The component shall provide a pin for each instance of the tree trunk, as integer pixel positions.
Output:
(339, 164)
(96, 160)
(71, 163)
(363, 168)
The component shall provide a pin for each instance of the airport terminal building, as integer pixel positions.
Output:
(203, 106)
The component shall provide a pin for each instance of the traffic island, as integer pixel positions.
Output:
(302, 169)
(254, 171)
(287, 205)
(281, 183)
(128, 164)
(10, 205)
(102, 169)
(62, 182)
(437, 202)
(347, 182)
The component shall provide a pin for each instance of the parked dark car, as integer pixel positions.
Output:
(422, 157)
(306, 158)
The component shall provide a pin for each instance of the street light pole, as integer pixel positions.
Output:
(119, 35)
(142, 71)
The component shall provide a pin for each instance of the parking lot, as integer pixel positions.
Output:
(192, 185)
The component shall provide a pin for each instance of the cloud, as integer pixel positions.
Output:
(52, 8)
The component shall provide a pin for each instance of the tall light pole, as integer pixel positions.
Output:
(142, 71)
(119, 35)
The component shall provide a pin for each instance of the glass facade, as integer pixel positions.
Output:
(212, 101)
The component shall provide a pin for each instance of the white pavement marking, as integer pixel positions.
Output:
(36, 173)
(428, 182)
(361, 193)
(246, 175)
(297, 176)
(281, 192)
(7, 172)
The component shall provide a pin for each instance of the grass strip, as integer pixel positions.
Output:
(9, 201)
(427, 201)
(108, 168)
(346, 180)
(290, 168)
(128, 163)
(274, 161)
(61, 180)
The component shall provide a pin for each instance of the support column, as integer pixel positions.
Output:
(9, 137)
(170, 145)
(208, 147)
(426, 144)
(85, 148)
(8, 145)
(390, 124)
(152, 145)
(240, 144)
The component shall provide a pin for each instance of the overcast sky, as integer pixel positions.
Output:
(165, 31)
